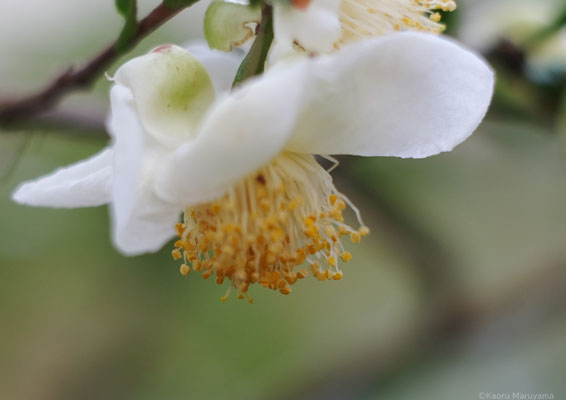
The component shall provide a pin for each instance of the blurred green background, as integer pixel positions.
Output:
(459, 290)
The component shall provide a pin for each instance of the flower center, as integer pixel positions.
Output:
(363, 18)
(284, 215)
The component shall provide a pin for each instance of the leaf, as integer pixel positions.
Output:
(226, 24)
(128, 10)
(123, 7)
(175, 4)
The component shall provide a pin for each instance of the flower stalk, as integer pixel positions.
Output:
(254, 63)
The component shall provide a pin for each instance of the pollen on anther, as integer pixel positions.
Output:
(176, 253)
(267, 226)
(185, 269)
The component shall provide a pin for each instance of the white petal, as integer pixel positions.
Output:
(405, 95)
(315, 28)
(172, 91)
(149, 226)
(241, 133)
(83, 184)
(141, 221)
(220, 65)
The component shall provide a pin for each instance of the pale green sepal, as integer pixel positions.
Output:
(171, 90)
(227, 23)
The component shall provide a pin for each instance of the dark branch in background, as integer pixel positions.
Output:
(62, 122)
(84, 77)
(534, 96)
(254, 62)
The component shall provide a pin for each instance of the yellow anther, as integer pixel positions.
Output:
(363, 231)
(179, 228)
(330, 232)
(340, 205)
(185, 270)
(285, 290)
(291, 278)
(346, 256)
(331, 261)
(300, 257)
(227, 250)
(338, 276)
(315, 267)
(309, 221)
(312, 232)
(302, 273)
(215, 209)
(355, 237)
(176, 253)
(265, 205)
(276, 235)
(263, 230)
(229, 228)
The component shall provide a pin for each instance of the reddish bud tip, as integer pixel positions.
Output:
(162, 48)
(302, 4)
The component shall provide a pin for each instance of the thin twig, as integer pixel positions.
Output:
(84, 77)
(61, 122)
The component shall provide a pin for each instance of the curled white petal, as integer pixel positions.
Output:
(86, 183)
(405, 95)
(241, 133)
(408, 95)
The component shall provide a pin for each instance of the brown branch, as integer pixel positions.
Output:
(84, 77)
(60, 122)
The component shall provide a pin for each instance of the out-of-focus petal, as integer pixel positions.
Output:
(86, 183)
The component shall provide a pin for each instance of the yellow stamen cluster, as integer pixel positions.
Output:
(364, 18)
(286, 214)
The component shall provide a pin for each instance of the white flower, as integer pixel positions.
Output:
(325, 25)
(256, 203)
